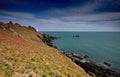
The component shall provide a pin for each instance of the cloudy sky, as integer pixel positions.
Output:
(63, 15)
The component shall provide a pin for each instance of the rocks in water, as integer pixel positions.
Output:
(49, 37)
(92, 68)
(97, 70)
(77, 56)
(86, 56)
(83, 61)
(76, 35)
(92, 74)
(108, 64)
(48, 40)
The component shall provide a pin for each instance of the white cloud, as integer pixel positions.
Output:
(56, 24)
(48, 21)
(80, 18)
(17, 14)
(7, 17)
(94, 17)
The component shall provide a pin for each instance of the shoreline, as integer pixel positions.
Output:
(48, 39)
(90, 67)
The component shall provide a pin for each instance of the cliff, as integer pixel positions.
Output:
(24, 52)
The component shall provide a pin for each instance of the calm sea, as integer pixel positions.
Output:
(99, 46)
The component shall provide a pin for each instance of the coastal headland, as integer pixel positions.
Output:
(24, 52)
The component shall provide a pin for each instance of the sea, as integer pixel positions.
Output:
(99, 46)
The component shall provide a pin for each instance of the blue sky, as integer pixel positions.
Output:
(63, 15)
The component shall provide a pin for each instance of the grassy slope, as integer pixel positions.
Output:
(28, 55)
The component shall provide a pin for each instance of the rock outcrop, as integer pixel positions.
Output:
(47, 39)
(90, 67)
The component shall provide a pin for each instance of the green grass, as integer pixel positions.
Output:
(16, 61)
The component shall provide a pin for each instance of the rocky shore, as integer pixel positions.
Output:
(90, 67)
(47, 39)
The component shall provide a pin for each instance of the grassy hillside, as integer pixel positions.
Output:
(24, 54)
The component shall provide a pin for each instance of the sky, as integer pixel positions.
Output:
(63, 15)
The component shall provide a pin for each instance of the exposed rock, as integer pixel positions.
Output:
(77, 56)
(17, 34)
(2, 28)
(108, 64)
(10, 22)
(30, 74)
(32, 28)
(17, 24)
(6, 26)
(92, 74)
(1, 23)
(86, 56)
(92, 68)
(48, 40)
(98, 70)
(10, 29)
(76, 35)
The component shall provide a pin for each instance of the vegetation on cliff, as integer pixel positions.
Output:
(23, 53)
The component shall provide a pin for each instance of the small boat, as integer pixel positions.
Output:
(76, 35)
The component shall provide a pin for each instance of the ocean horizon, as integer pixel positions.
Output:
(99, 46)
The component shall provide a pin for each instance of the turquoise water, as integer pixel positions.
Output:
(99, 46)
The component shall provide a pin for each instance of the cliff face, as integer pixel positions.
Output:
(23, 53)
